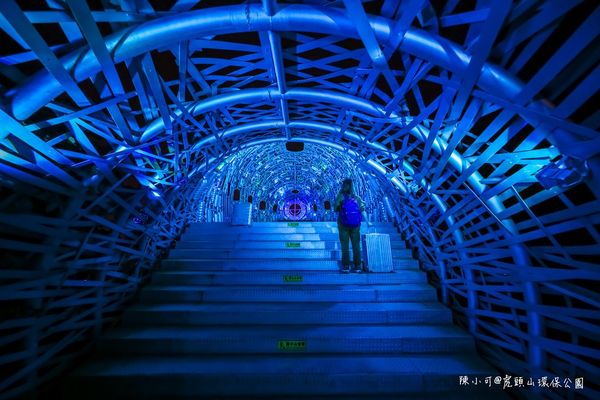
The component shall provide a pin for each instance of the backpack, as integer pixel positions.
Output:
(350, 212)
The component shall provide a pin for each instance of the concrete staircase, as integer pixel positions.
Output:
(263, 312)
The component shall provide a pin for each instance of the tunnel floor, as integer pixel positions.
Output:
(263, 311)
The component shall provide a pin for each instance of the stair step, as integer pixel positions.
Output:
(288, 293)
(272, 264)
(288, 313)
(289, 277)
(243, 237)
(226, 243)
(283, 229)
(250, 375)
(272, 339)
(284, 224)
(295, 253)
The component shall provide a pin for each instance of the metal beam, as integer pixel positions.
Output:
(25, 29)
(497, 13)
(270, 7)
(250, 96)
(219, 20)
(90, 31)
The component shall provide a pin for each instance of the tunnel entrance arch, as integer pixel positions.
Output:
(293, 182)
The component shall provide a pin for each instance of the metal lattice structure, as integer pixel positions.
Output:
(480, 119)
(274, 178)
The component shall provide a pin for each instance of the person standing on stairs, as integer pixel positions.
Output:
(351, 209)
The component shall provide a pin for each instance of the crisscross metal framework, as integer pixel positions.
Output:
(116, 114)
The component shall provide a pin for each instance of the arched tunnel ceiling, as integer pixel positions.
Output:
(274, 176)
(479, 119)
(176, 83)
(271, 168)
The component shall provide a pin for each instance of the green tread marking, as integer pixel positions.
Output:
(291, 345)
(293, 278)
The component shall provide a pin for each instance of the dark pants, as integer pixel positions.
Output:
(352, 235)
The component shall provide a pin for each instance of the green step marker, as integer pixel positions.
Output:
(292, 224)
(291, 345)
(292, 245)
(293, 278)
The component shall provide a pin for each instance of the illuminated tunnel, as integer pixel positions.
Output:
(472, 126)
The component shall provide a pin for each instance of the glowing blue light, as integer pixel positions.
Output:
(399, 185)
(377, 166)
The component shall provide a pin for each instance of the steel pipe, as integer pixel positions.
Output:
(167, 31)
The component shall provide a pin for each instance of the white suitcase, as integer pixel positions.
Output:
(242, 214)
(377, 251)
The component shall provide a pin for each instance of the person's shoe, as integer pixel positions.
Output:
(357, 269)
(346, 269)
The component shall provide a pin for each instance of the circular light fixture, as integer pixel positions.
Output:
(295, 210)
